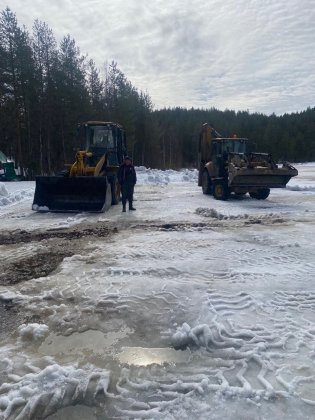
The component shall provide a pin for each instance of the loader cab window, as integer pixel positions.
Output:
(216, 148)
(102, 136)
(240, 146)
(234, 146)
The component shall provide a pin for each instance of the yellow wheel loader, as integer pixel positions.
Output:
(226, 166)
(90, 183)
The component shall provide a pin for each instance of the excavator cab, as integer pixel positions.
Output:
(90, 183)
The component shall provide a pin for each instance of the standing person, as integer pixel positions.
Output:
(127, 179)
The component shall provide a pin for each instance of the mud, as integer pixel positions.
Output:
(35, 266)
(55, 244)
(23, 236)
(10, 317)
(227, 222)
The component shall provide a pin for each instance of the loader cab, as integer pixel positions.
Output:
(223, 146)
(106, 138)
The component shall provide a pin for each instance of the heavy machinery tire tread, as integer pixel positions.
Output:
(260, 194)
(220, 190)
(206, 183)
(115, 188)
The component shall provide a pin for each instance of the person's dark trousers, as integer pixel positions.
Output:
(127, 195)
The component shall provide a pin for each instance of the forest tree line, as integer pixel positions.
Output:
(46, 89)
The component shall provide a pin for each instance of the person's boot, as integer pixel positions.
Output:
(131, 207)
(124, 209)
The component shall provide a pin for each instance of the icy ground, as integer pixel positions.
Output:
(188, 308)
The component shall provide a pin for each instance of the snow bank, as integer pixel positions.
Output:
(4, 194)
(300, 188)
(15, 192)
(3, 191)
(215, 214)
(157, 176)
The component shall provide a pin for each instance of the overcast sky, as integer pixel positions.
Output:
(256, 55)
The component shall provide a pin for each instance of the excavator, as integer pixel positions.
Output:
(226, 166)
(90, 183)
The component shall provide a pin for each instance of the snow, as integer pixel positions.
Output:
(3, 190)
(41, 393)
(33, 332)
(194, 308)
(35, 207)
(159, 177)
(14, 192)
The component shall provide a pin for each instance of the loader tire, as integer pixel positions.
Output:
(206, 183)
(115, 188)
(260, 194)
(220, 190)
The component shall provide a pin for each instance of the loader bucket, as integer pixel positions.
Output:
(261, 178)
(72, 194)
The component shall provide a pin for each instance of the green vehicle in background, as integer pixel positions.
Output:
(7, 171)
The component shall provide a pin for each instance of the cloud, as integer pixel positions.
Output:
(237, 55)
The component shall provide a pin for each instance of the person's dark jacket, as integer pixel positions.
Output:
(126, 174)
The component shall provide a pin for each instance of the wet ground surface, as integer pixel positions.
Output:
(56, 244)
(50, 247)
(21, 236)
(197, 309)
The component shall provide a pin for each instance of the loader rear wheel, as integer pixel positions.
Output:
(220, 190)
(261, 194)
(206, 183)
(115, 187)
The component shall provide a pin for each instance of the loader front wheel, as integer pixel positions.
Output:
(115, 187)
(261, 194)
(206, 183)
(220, 190)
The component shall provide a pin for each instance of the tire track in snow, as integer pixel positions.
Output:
(38, 388)
(298, 300)
(230, 357)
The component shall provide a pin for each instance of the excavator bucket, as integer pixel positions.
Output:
(72, 194)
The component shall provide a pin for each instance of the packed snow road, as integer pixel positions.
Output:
(187, 308)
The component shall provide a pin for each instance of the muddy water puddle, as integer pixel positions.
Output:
(88, 346)
(97, 347)
(140, 356)
(75, 413)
